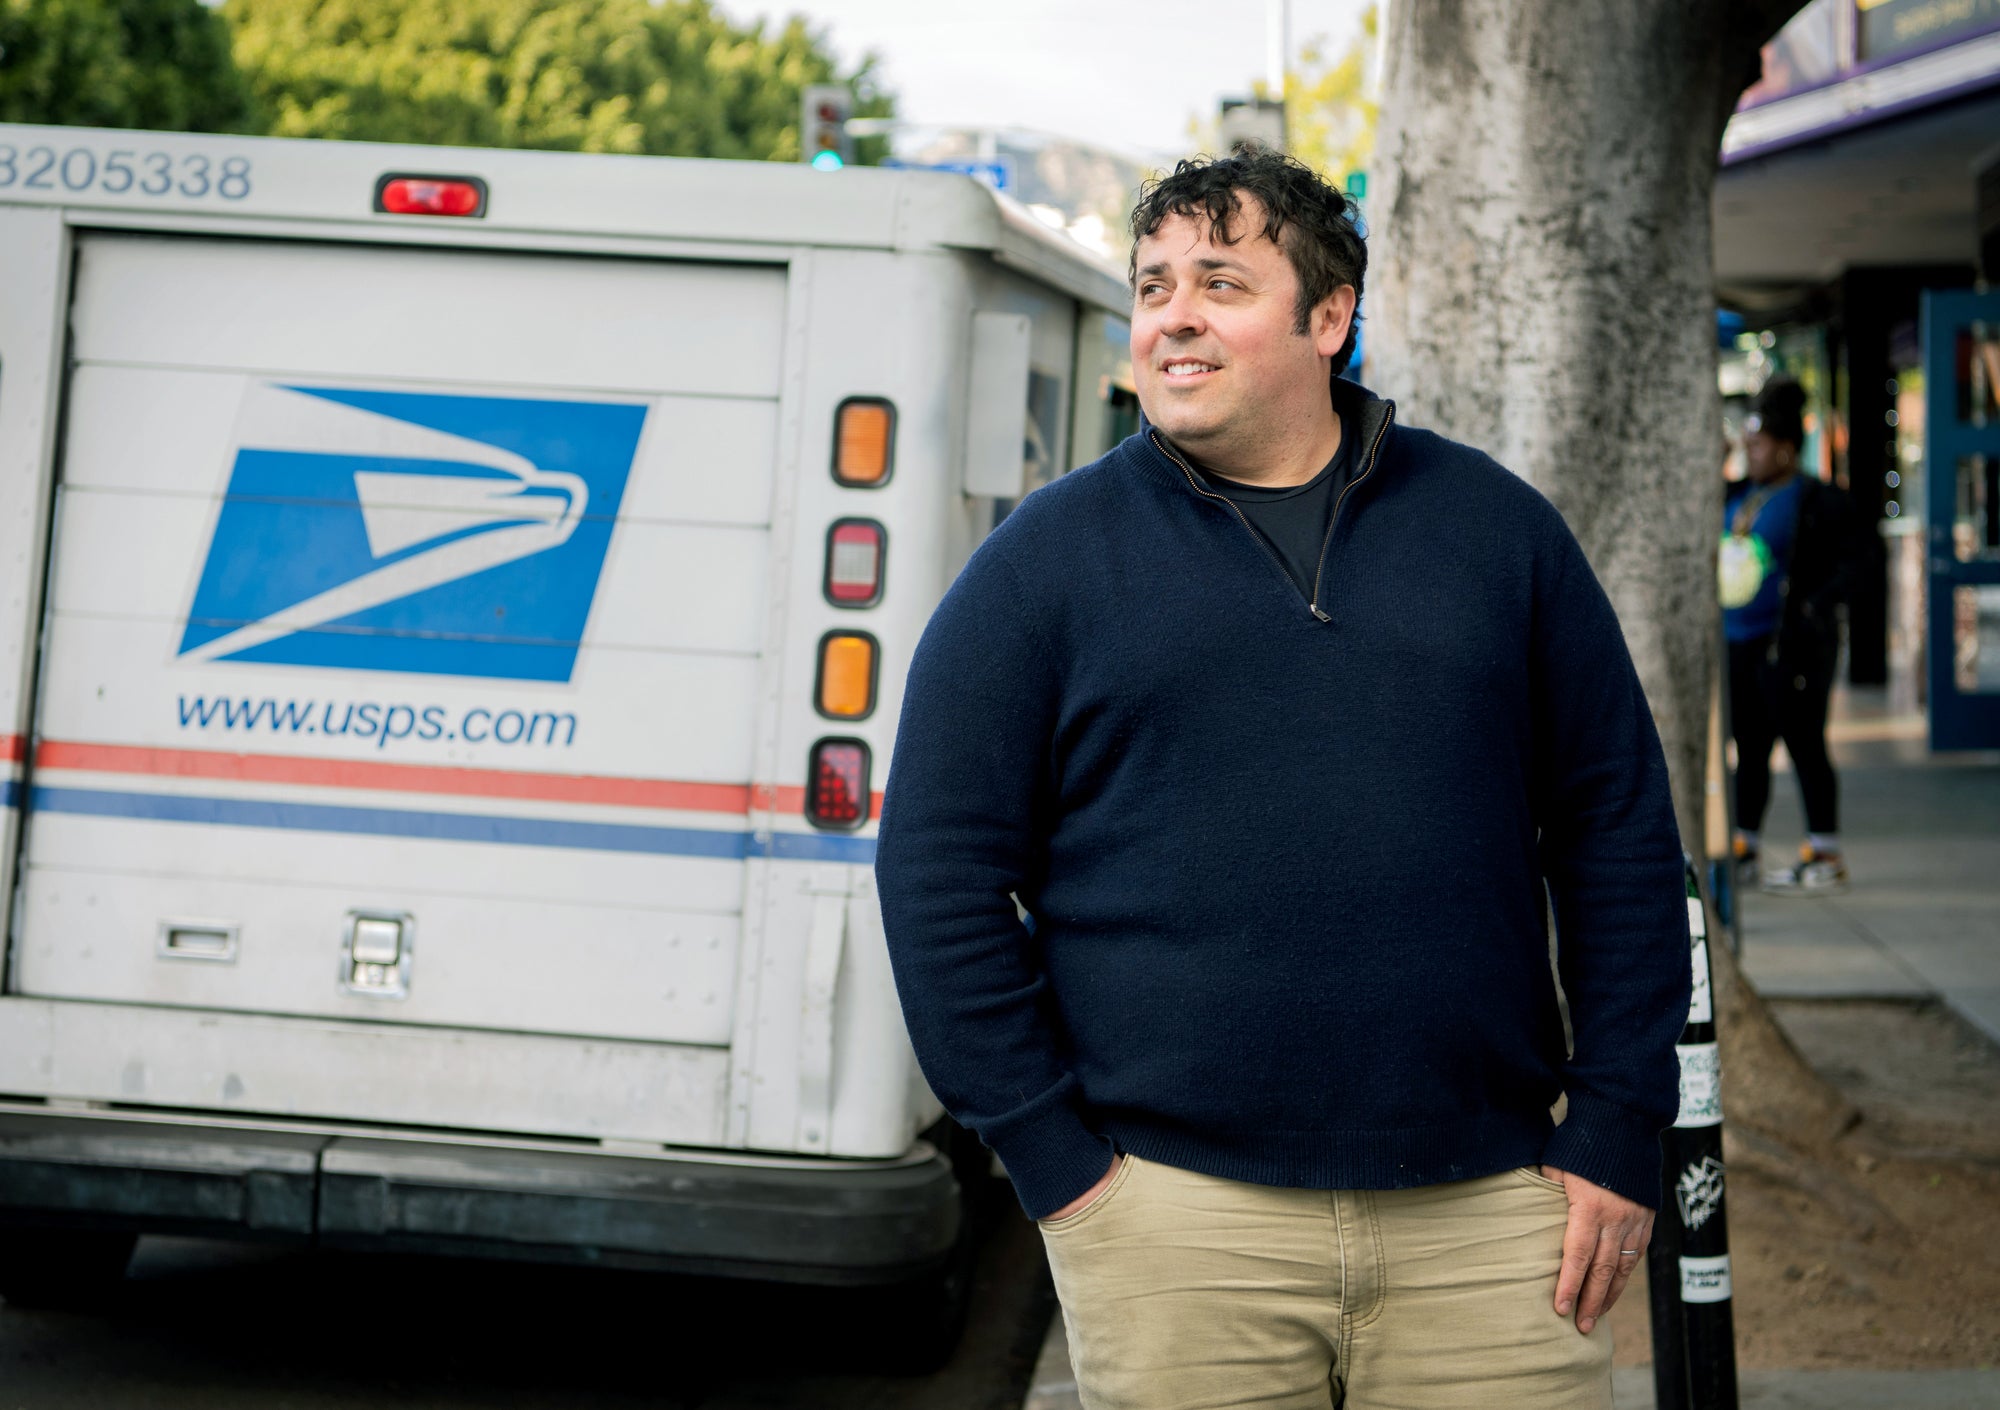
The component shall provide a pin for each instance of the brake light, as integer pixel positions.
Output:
(864, 431)
(855, 549)
(430, 195)
(846, 689)
(837, 784)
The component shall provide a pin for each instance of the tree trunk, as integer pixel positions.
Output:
(1543, 289)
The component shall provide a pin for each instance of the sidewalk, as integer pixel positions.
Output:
(1922, 838)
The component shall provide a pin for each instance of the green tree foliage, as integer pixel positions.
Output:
(1330, 105)
(119, 63)
(1329, 111)
(665, 77)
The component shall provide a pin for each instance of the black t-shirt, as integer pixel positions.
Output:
(1293, 519)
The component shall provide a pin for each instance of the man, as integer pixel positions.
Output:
(1789, 555)
(1275, 721)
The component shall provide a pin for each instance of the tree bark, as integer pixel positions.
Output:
(1543, 290)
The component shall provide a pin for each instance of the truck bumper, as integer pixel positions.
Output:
(794, 1220)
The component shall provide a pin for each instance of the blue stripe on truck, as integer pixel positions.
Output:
(451, 827)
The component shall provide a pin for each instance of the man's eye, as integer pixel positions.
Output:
(1222, 283)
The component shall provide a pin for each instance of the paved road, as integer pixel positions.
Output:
(219, 1326)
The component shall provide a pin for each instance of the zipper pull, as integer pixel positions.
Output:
(1317, 613)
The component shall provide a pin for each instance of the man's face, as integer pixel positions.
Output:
(1215, 355)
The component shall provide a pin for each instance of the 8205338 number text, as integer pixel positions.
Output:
(124, 171)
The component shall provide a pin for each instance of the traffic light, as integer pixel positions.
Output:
(823, 139)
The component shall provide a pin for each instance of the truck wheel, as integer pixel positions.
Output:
(62, 1268)
(928, 1313)
(922, 1320)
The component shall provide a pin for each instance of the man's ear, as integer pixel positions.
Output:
(1331, 318)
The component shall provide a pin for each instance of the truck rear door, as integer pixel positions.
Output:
(402, 645)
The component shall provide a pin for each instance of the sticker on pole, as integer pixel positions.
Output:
(1705, 1279)
(1701, 1006)
(412, 531)
(1698, 1192)
(1701, 1085)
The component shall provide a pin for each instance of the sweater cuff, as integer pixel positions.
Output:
(1050, 1155)
(1609, 1145)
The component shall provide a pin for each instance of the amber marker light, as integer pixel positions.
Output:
(847, 671)
(864, 434)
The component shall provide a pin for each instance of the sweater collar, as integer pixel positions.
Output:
(1362, 415)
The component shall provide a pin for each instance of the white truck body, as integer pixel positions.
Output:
(409, 628)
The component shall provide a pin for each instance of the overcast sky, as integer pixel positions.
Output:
(1127, 74)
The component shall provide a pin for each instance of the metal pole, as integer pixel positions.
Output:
(1663, 1292)
(1693, 1203)
(1276, 22)
(1285, 40)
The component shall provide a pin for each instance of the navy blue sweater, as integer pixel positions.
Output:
(1284, 863)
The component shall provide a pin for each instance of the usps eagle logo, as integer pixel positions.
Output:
(412, 531)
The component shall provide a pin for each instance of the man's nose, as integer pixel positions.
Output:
(1182, 315)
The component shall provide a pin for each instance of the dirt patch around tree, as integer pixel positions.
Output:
(1879, 1246)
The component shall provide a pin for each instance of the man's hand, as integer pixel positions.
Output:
(1601, 1247)
(1089, 1196)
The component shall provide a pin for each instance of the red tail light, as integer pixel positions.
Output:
(855, 549)
(430, 195)
(837, 784)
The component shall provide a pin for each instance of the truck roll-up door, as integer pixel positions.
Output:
(405, 610)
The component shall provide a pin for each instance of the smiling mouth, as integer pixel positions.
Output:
(1184, 369)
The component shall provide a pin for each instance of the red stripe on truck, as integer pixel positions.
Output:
(402, 778)
(670, 794)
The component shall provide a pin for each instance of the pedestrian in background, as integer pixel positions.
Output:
(1788, 560)
(1281, 723)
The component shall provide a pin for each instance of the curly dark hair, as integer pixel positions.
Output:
(1312, 221)
(1781, 411)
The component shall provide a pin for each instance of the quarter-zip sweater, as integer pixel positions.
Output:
(1283, 862)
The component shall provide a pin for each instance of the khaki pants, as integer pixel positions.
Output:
(1190, 1292)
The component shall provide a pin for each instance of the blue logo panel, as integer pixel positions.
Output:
(414, 532)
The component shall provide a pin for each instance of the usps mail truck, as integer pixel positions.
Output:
(454, 608)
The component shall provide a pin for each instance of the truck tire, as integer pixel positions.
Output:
(929, 1312)
(70, 1269)
(923, 1320)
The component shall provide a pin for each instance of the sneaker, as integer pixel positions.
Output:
(1745, 857)
(1817, 874)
